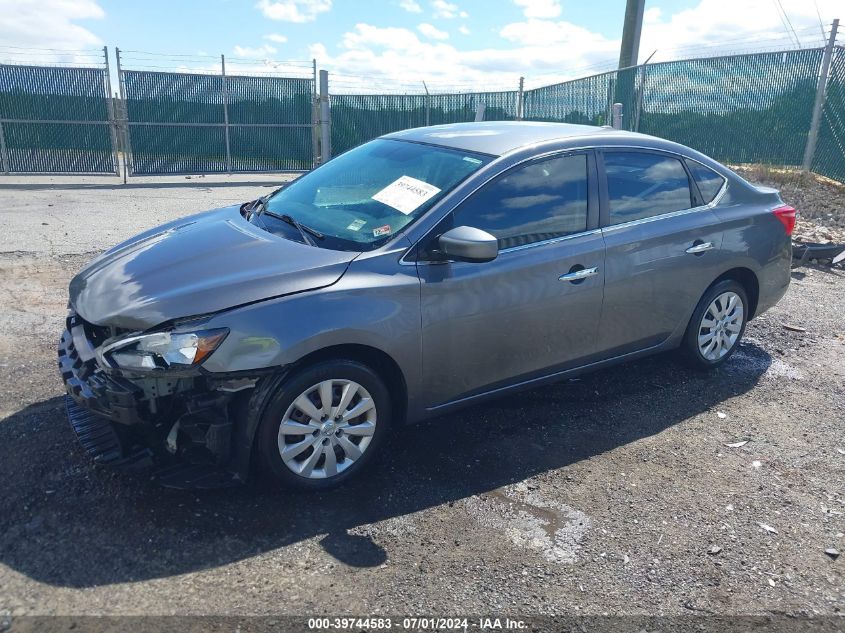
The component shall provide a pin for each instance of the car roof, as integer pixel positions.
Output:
(500, 137)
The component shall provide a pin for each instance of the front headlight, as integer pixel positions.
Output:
(161, 350)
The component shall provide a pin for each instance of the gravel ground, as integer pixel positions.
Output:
(616, 493)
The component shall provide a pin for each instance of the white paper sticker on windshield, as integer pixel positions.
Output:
(356, 225)
(406, 194)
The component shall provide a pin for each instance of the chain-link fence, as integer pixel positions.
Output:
(55, 120)
(180, 122)
(357, 118)
(741, 109)
(738, 108)
(829, 159)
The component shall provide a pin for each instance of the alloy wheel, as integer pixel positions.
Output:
(327, 428)
(720, 326)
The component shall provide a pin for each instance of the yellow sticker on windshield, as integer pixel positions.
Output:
(406, 194)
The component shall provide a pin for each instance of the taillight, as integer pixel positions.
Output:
(786, 215)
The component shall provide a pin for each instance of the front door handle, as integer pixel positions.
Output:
(579, 275)
(702, 247)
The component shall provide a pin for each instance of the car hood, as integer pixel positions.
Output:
(198, 265)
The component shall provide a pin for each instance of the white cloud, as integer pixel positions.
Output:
(447, 10)
(276, 37)
(545, 33)
(257, 51)
(463, 30)
(298, 11)
(410, 6)
(48, 24)
(366, 35)
(548, 51)
(652, 14)
(432, 32)
(724, 26)
(372, 58)
(539, 8)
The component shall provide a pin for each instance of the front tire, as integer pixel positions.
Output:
(716, 326)
(323, 425)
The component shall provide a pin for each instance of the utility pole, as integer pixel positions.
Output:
(631, 32)
(821, 89)
(325, 119)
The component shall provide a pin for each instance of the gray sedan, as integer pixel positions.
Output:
(423, 271)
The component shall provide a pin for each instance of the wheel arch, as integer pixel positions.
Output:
(378, 360)
(748, 280)
(250, 407)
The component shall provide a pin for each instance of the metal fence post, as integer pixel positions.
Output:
(617, 116)
(821, 89)
(315, 118)
(4, 154)
(480, 108)
(226, 113)
(427, 106)
(128, 166)
(520, 103)
(325, 119)
(638, 100)
(110, 109)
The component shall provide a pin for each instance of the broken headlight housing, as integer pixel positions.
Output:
(161, 350)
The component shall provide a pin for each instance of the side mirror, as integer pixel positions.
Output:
(468, 244)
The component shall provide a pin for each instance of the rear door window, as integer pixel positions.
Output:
(642, 185)
(539, 201)
(708, 181)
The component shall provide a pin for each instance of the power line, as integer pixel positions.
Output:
(785, 21)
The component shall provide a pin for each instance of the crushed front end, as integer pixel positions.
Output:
(178, 425)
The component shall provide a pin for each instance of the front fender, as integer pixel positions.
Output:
(375, 304)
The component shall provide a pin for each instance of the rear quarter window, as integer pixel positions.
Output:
(709, 182)
(643, 185)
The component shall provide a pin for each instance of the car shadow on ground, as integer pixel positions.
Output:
(66, 522)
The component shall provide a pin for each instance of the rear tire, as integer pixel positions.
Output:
(717, 326)
(307, 443)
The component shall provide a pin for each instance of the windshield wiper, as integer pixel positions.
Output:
(304, 230)
(259, 203)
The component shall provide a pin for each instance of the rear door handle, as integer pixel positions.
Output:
(579, 275)
(695, 249)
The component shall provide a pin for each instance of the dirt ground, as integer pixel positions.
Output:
(623, 492)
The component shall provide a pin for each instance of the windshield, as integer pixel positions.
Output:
(358, 200)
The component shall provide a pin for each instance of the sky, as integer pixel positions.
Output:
(396, 45)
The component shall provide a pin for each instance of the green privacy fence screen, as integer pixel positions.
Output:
(586, 101)
(200, 123)
(829, 159)
(55, 120)
(740, 108)
(359, 118)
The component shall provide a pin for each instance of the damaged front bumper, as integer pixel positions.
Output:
(179, 427)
